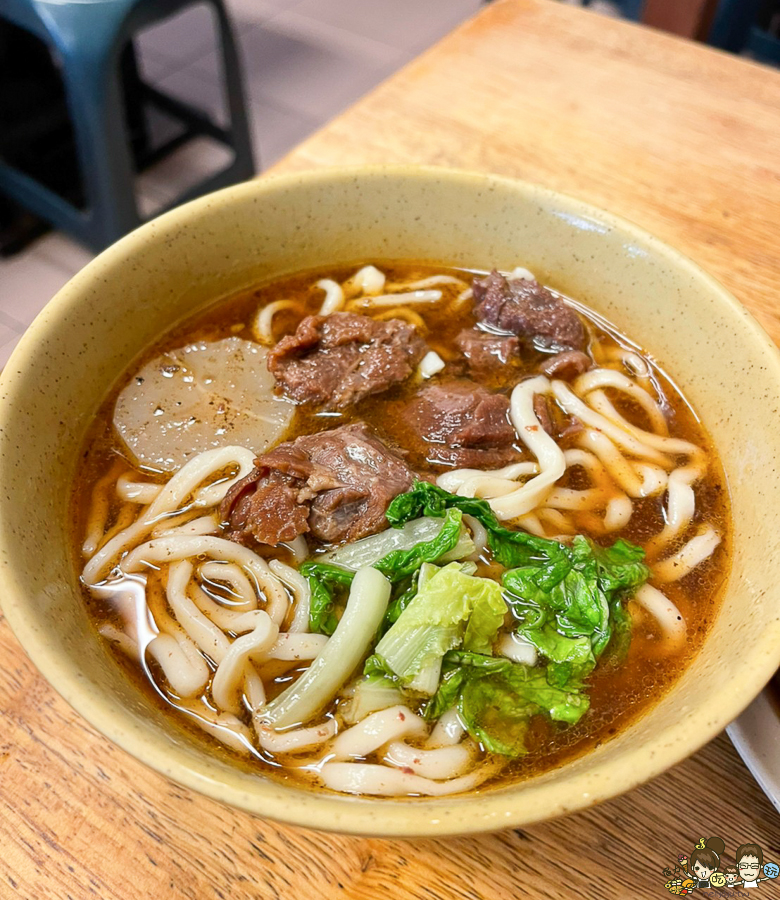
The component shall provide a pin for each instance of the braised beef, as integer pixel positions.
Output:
(462, 424)
(335, 484)
(567, 365)
(526, 308)
(554, 420)
(487, 352)
(339, 359)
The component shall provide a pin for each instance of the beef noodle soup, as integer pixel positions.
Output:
(400, 529)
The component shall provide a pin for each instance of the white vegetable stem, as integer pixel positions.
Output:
(318, 685)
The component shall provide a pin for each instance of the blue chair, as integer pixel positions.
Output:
(734, 28)
(88, 39)
(631, 9)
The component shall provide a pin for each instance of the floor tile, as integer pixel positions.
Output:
(180, 38)
(182, 169)
(409, 25)
(276, 131)
(204, 91)
(245, 13)
(64, 251)
(294, 66)
(27, 282)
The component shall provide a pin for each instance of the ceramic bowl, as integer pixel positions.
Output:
(87, 336)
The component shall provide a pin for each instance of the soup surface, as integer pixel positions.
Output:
(400, 529)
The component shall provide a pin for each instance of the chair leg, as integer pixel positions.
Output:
(96, 103)
(244, 164)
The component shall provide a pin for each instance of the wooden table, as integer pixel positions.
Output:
(672, 135)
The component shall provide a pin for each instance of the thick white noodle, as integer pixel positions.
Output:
(365, 609)
(548, 454)
(619, 511)
(441, 763)
(229, 618)
(298, 548)
(262, 325)
(382, 781)
(334, 296)
(229, 677)
(209, 639)
(463, 297)
(447, 731)
(429, 282)
(485, 483)
(201, 525)
(597, 379)
(404, 298)
(521, 274)
(680, 508)
(182, 663)
(376, 730)
(369, 280)
(297, 739)
(233, 575)
(519, 650)
(698, 548)
(175, 547)
(430, 364)
(669, 618)
(573, 405)
(297, 646)
(652, 479)
(122, 639)
(225, 727)
(142, 492)
(172, 497)
(300, 590)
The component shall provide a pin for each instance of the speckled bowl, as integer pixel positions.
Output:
(85, 338)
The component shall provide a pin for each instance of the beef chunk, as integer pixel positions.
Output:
(336, 484)
(555, 422)
(462, 424)
(339, 359)
(529, 310)
(567, 365)
(487, 352)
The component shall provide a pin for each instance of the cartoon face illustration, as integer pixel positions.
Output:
(749, 868)
(731, 877)
(701, 871)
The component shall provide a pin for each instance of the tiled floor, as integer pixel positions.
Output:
(304, 61)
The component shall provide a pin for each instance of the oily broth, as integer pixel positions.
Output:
(618, 693)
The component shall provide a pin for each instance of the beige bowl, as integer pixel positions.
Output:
(86, 337)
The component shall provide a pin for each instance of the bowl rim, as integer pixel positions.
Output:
(516, 805)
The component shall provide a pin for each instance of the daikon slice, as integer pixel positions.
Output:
(204, 395)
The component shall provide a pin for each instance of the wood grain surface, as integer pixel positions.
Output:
(682, 140)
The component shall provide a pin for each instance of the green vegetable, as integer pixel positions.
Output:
(372, 693)
(323, 578)
(399, 564)
(559, 593)
(452, 608)
(369, 550)
(570, 604)
(510, 548)
(497, 698)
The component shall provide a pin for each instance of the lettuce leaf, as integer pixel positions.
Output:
(497, 698)
(415, 533)
(576, 592)
(399, 564)
(323, 578)
(451, 609)
(510, 548)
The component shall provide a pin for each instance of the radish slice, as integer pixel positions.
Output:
(206, 395)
